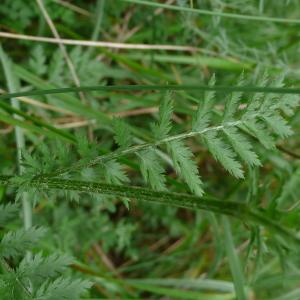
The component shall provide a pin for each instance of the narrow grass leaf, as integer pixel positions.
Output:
(234, 263)
(214, 13)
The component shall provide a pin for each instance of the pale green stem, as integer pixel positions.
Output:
(99, 18)
(153, 87)
(215, 13)
(143, 146)
(234, 262)
(20, 140)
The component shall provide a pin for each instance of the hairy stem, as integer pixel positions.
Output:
(232, 208)
(136, 148)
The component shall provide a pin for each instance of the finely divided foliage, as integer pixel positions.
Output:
(230, 135)
(227, 140)
(114, 185)
(37, 276)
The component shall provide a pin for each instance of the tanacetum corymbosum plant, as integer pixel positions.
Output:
(230, 134)
(177, 191)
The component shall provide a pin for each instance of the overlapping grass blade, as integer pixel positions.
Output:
(220, 88)
(234, 263)
(215, 13)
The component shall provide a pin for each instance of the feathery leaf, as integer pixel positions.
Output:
(162, 128)
(203, 114)
(260, 132)
(242, 146)
(152, 170)
(185, 166)
(122, 133)
(288, 104)
(7, 213)
(278, 125)
(17, 242)
(114, 173)
(39, 268)
(222, 153)
(233, 101)
(62, 288)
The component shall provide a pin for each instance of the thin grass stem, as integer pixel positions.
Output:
(20, 139)
(216, 13)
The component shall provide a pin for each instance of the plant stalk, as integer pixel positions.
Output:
(179, 87)
(235, 209)
(20, 139)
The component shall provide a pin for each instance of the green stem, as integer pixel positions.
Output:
(15, 110)
(99, 18)
(234, 262)
(214, 13)
(232, 208)
(137, 148)
(20, 139)
(217, 88)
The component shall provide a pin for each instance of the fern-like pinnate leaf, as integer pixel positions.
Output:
(8, 288)
(185, 166)
(7, 213)
(288, 104)
(37, 276)
(62, 288)
(264, 110)
(37, 61)
(15, 243)
(259, 130)
(122, 133)
(278, 125)
(114, 172)
(39, 268)
(255, 101)
(242, 146)
(204, 111)
(152, 170)
(233, 102)
(56, 68)
(225, 134)
(162, 128)
(268, 100)
(223, 153)
(151, 167)
(181, 155)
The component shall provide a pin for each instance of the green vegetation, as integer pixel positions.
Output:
(149, 149)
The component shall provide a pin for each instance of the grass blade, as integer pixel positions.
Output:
(236, 269)
(223, 88)
(215, 13)
(12, 84)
